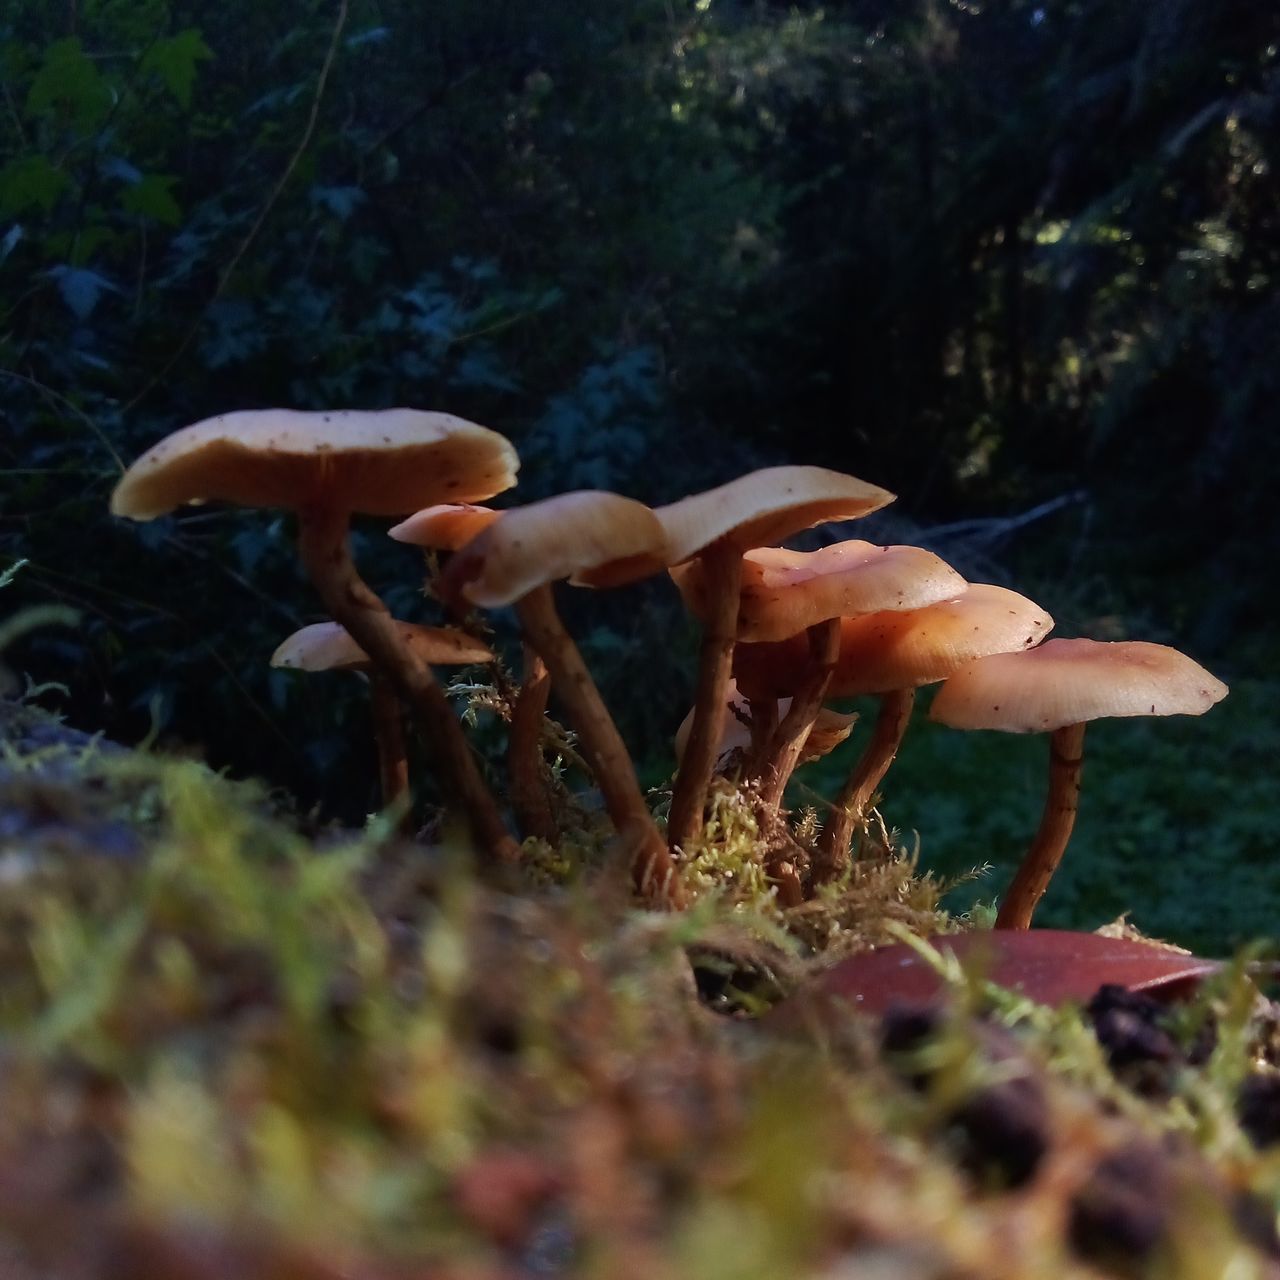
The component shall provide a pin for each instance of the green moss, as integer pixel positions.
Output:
(349, 1046)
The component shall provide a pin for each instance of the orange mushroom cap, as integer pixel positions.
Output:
(586, 535)
(1066, 682)
(900, 649)
(327, 646)
(381, 463)
(445, 527)
(765, 506)
(785, 592)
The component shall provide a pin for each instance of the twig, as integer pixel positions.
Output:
(996, 528)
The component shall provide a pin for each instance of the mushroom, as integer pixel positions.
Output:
(325, 466)
(716, 527)
(890, 654)
(594, 537)
(829, 730)
(786, 592)
(449, 527)
(1057, 688)
(326, 646)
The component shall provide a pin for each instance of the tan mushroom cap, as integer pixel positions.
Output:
(598, 538)
(1066, 682)
(327, 646)
(446, 527)
(892, 649)
(383, 463)
(784, 592)
(829, 730)
(766, 506)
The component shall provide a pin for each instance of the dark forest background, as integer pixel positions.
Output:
(1001, 258)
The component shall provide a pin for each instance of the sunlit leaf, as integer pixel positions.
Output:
(81, 288)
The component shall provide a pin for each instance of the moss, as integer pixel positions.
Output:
(292, 1053)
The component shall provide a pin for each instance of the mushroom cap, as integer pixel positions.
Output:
(765, 506)
(1066, 682)
(383, 463)
(446, 527)
(829, 730)
(901, 649)
(598, 538)
(327, 646)
(784, 592)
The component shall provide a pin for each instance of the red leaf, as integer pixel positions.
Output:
(1050, 966)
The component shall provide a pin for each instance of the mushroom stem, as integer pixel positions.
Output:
(722, 564)
(832, 854)
(789, 738)
(326, 555)
(764, 722)
(652, 867)
(1066, 756)
(388, 733)
(529, 798)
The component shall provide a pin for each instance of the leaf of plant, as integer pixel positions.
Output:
(80, 288)
(152, 197)
(174, 59)
(30, 182)
(1050, 966)
(69, 78)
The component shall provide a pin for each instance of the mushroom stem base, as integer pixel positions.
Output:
(529, 797)
(832, 855)
(1066, 758)
(388, 732)
(322, 541)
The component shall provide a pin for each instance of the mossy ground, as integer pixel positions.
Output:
(230, 1049)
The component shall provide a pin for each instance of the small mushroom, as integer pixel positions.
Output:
(784, 592)
(716, 527)
(890, 655)
(829, 730)
(608, 539)
(449, 527)
(325, 466)
(326, 646)
(1056, 689)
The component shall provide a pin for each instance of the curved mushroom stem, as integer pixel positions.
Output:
(832, 854)
(322, 541)
(529, 798)
(790, 736)
(1066, 756)
(388, 733)
(722, 566)
(652, 868)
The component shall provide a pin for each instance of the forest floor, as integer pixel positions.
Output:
(232, 1045)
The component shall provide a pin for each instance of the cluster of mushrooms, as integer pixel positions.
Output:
(782, 631)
